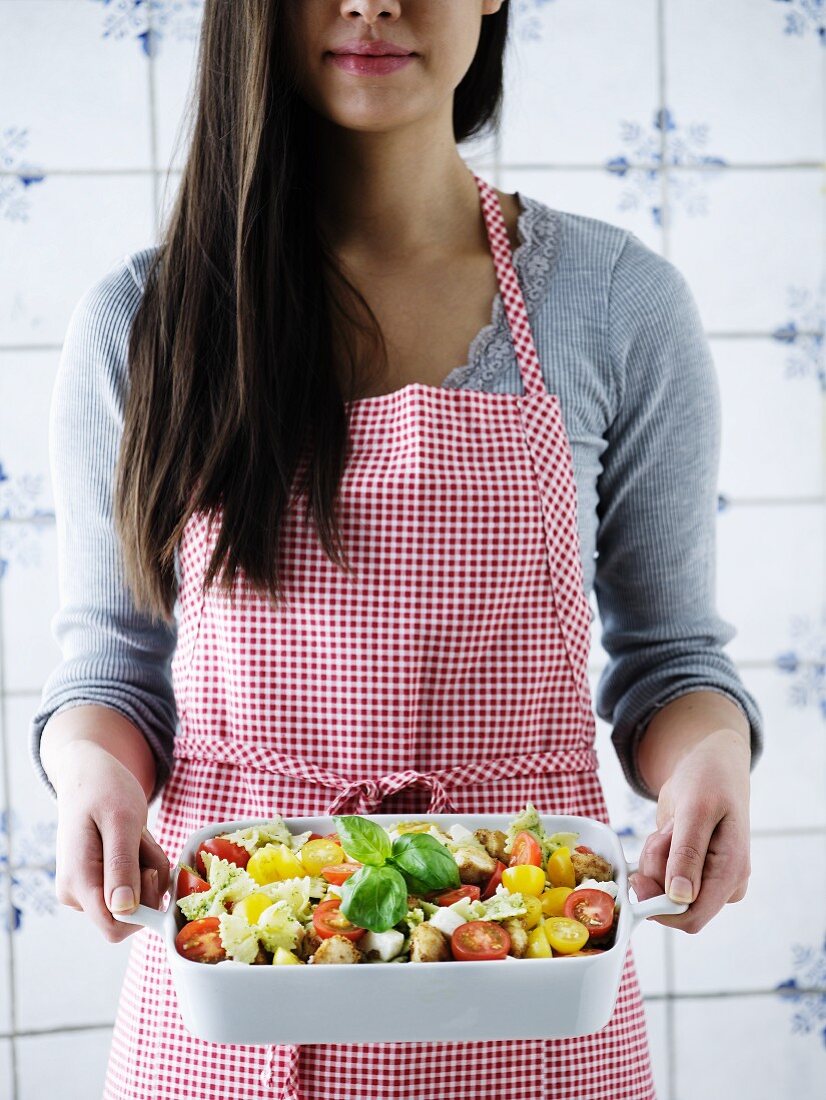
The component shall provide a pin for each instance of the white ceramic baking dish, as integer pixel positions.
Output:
(381, 1002)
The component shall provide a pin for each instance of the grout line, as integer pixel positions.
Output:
(513, 166)
(725, 994)
(33, 1032)
(151, 88)
(82, 172)
(711, 334)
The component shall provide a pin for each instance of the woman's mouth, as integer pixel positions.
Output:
(370, 64)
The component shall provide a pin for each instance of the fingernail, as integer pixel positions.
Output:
(680, 889)
(123, 899)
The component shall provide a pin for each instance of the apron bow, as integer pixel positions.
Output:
(365, 796)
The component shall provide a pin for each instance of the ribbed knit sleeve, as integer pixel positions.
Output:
(112, 655)
(657, 512)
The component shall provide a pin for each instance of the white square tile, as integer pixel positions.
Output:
(6, 919)
(789, 780)
(70, 1065)
(631, 202)
(769, 569)
(55, 987)
(77, 228)
(656, 1018)
(82, 98)
(581, 83)
(26, 382)
(745, 1047)
(6, 1070)
(761, 93)
(174, 75)
(736, 950)
(33, 808)
(29, 601)
(772, 422)
(750, 243)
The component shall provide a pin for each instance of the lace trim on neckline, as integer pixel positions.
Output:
(491, 350)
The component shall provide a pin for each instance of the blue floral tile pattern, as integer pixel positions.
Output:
(30, 865)
(809, 1017)
(527, 18)
(20, 541)
(150, 21)
(805, 663)
(804, 334)
(664, 144)
(17, 176)
(804, 17)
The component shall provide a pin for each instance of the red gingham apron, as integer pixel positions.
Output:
(447, 673)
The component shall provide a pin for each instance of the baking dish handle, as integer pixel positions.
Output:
(659, 906)
(145, 915)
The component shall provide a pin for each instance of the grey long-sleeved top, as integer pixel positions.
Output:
(620, 341)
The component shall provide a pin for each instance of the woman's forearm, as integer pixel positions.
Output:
(680, 726)
(105, 727)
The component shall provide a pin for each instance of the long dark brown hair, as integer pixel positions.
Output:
(247, 324)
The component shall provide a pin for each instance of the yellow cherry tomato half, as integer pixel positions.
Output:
(274, 862)
(553, 901)
(565, 935)
(560, 868)
(538, 946)
(524, 878)
(320, 853)
(252, 906)
(534, 911)
(283, 957)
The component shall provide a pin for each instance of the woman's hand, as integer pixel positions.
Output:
(700, 853)
(106, 857)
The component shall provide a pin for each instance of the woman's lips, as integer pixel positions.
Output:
(370, 64)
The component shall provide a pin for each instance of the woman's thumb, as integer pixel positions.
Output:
(121, 864)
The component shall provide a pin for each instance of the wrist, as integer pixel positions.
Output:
(684, 725)
(68, 736)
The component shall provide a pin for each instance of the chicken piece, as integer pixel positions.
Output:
(493, 841)
(428, 944)
(589, 865)
(475, 865)
(263, 957)
(337, 949)
(515, 927)
(307, 941)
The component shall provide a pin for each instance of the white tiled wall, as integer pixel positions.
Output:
(697, 124)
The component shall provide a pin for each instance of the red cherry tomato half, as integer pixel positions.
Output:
(190, 883)
(526, 849)
(587, 951)
(223, 849)
(336, 873)
(586, 851)
(493, 881)
(200, 940)
(331, 836)
(468, 891)
(328, 920)
(480, 939)
(317, 836)
(593, 908)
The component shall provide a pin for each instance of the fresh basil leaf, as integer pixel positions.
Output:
(362, 839)
(374, 897)
(426, 863)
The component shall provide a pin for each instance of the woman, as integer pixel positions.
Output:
(377, 553)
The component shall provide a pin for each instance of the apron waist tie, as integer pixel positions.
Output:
(365, 796)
